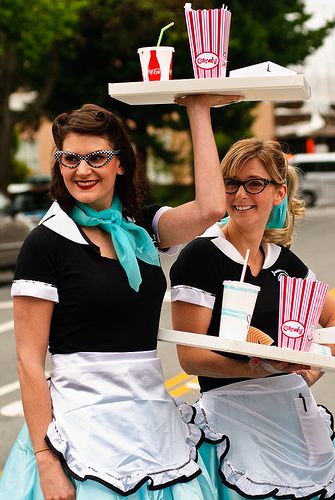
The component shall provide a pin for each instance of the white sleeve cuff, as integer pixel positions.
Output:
(168, 251)
(193, 296)
(37, 289)
(310, 275)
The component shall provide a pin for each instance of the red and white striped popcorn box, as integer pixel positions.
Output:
(300, 306)
(208, 33)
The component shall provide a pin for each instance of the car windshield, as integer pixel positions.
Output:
(32, 201)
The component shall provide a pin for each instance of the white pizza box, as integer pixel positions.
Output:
(267, 68)
(326, 363)
(253, 88)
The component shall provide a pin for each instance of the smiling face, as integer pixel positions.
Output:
(253, 209)
(92, 186)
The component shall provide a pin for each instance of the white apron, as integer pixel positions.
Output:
(113, 421)
(271, 435)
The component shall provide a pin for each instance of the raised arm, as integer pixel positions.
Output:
(183, 223)
(32, 319)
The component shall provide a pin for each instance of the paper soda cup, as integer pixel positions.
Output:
(208, 34)
(300, 306)
(238, 305)
(156, 63)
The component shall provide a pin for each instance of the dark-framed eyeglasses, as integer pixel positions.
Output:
(96, 159)
(251, 186)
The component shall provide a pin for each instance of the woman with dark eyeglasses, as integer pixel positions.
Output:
(257, 445)
(88, 285)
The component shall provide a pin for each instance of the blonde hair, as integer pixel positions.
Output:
(275, 161)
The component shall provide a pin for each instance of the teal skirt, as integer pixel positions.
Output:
(20, 481)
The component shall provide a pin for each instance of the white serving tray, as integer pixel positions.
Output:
(324, 335)
(327, 363)
(252, 88)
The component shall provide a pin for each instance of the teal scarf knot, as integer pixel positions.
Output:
(130, 241)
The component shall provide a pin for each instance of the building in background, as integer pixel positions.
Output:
(309, 126)
(35, 146)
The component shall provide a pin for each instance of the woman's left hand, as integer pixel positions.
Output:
(311, 376)
(273, 366)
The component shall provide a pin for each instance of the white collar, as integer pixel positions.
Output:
(271, 250)
(59, 222)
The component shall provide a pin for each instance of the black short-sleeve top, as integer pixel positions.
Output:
(95, 308)
(198, 274)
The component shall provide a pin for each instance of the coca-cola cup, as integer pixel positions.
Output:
(156, 63)
(208, 32)
(300, 305)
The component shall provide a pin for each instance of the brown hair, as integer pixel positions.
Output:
(91, 119)
(275, 161)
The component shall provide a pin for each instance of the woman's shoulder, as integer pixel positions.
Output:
(202, 245)
(291, 263)
(41, 245)
(41, 236)
(199, 257)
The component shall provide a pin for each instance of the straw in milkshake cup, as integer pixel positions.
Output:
(244, 269)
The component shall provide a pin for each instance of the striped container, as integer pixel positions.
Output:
(300, 305)
(208, 33)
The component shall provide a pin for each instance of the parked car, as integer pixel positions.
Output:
(317, 177)
(13, 230)
(31, 198)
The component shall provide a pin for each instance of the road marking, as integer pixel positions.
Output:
(6, 389)
(193, 385)
(176, 380)
(14, 409)
(5, 327)
(8, 304)
(184, 388)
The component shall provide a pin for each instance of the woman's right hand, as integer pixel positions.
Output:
(208, 100)
(55, 485)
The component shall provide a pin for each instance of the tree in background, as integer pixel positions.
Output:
(29, 33)
(79, 63)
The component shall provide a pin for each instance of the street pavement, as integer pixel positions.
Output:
(314, 243)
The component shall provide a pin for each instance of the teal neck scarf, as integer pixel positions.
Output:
(277, 216)
(130, 241)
